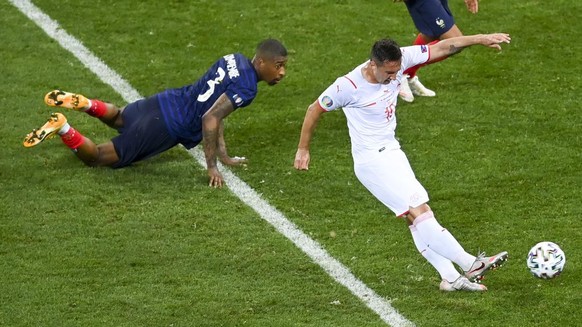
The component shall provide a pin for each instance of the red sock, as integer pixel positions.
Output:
(98, 109)
(420, 41)
(73, 139)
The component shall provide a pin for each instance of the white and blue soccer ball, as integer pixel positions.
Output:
(546, 260)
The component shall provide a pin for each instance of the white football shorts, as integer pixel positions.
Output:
(388, 176)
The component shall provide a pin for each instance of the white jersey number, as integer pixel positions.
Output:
(206, 95)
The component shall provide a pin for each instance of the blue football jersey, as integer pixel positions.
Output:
(184, 107)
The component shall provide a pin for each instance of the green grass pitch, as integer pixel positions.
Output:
(498, 149)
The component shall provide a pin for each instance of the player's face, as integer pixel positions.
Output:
(386, 72)
(272, 70)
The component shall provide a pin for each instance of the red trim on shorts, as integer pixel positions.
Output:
(403, 215)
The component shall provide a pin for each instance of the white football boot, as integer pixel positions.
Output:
(417, 88)
(405, 91)
(483, 264)
(462, 284)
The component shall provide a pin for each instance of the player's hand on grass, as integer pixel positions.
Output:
(215, 177)
(302, 159)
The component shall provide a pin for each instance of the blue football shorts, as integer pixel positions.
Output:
(144, 133)
(431, 17)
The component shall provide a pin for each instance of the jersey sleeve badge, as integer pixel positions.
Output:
(327, 101)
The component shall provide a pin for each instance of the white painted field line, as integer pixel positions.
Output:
(270, 214)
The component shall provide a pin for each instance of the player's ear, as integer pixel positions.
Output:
(258, 59)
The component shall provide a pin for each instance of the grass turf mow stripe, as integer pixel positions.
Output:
(245, 193)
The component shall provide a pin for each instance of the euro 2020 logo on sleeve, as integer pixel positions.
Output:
(327, 101)
(237, 99)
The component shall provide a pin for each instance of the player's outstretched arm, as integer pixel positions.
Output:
(211, 132)
(312, 115)
(454, 45)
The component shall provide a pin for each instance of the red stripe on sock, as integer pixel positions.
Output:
(73, 139)
(98, 109)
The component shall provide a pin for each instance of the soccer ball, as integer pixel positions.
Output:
(546, 260)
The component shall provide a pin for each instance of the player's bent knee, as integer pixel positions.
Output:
(417, 211)
(107, 156)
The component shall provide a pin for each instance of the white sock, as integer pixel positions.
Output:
(440, 240)
(87, 107)
(443, 265)
(64, 129)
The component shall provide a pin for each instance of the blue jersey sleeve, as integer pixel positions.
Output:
(243, 76)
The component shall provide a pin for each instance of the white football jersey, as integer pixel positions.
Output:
(370, 108)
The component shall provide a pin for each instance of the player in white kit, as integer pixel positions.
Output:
(368, 96)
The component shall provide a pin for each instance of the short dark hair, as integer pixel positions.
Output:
(385, 50)
(271, 48)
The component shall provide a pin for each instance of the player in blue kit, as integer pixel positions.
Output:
(184, 115)
(434, 21)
